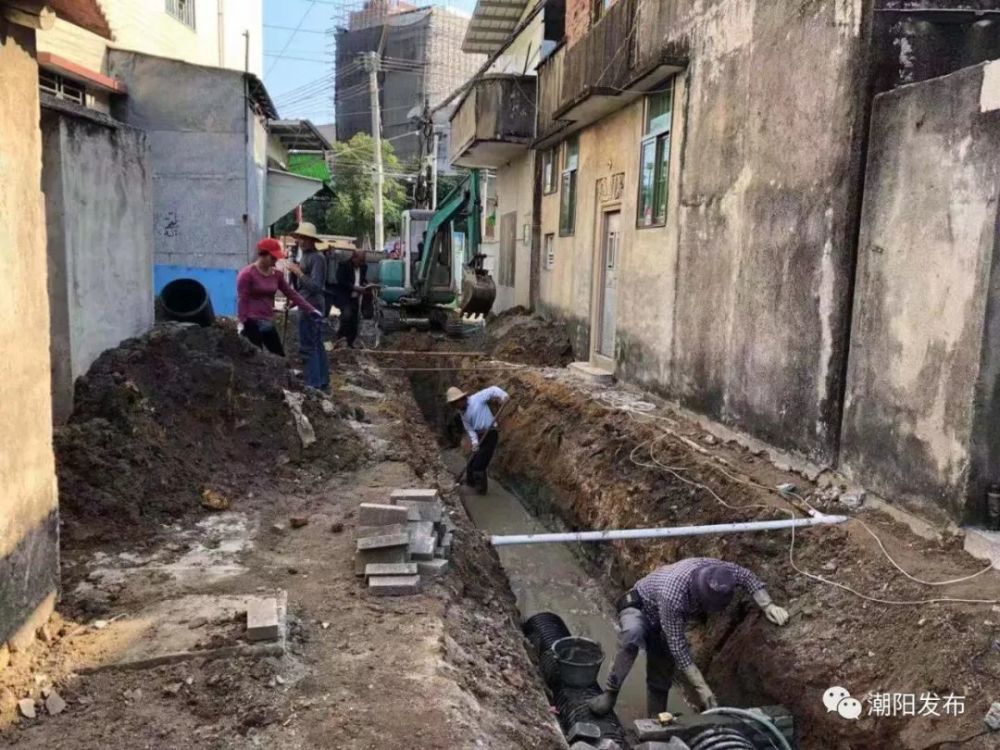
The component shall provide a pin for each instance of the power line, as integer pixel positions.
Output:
(312, 4)
(292, 28)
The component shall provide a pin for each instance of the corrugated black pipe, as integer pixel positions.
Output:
(542, 630)
(187, 301)
(721, 738)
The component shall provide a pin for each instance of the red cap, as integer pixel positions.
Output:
(272, 247)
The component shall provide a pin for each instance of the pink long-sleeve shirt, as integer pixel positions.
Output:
(255, 294)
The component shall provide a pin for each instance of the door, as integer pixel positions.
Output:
(609, 283)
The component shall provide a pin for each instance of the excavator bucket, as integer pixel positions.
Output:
(478, 291)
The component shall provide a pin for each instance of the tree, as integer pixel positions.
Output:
(352, 212)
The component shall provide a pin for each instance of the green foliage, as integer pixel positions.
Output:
(352, 212)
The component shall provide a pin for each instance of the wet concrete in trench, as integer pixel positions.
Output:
(551, 578)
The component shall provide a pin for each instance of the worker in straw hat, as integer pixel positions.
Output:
(654, 616)
(311, 271)
(480, 425)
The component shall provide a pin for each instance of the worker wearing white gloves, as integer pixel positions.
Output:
(654, 615)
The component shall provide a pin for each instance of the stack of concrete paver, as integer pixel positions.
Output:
(401, 541)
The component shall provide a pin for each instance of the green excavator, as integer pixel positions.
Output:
(440, 277)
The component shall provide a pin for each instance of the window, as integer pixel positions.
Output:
(549, 183)
(182, 10)
(654, 158)
(61, 88)
(567, 202)
(550, 251)
(599, 8)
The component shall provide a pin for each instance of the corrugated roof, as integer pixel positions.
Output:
(492, 22)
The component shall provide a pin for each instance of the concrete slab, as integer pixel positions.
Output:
(583, 730)
(591, 374)
(391, 569)
(262, 620)
(983, 544)
(422, 548)
(376, 514)
(427, 495)
(163, 633)
(363, 532)
(383, 540)
(383, 555)
(420, 510)
(674, 744)
(431, 568)
(420, 528)
(394, 585)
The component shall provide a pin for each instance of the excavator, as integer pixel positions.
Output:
(440, 278)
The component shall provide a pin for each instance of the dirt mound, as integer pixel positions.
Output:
(514, 336)
(165, 417)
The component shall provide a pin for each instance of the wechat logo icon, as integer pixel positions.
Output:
(839, 700)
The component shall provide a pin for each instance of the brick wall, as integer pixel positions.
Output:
(577, 20)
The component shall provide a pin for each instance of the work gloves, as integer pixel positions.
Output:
(774, 613)
(695, 679)
(604, 703)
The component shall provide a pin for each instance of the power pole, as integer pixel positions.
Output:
(373, 65)
(434, 173)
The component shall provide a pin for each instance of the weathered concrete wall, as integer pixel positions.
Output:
(208, 154)
(99, 216)
(29, 525)
(514, 184)
(738, 307)
(921, 385)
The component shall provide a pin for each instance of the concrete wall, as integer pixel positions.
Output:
(738, 307)
(514, 183)
(99, 216)
(208, 156)
(29, 524)
(921, 407)
(145, 26)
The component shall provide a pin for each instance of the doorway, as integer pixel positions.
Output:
(608, 284)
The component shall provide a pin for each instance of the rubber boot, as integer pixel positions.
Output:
(603, 704)
(656, 702)
(482, 483)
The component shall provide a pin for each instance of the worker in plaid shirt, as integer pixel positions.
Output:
(655, 614)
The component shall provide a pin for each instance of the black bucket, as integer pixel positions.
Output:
(579, 660)
(187, 301)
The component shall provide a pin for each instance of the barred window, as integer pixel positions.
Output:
(61, 88)
(182, 10)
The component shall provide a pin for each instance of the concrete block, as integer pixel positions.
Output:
(391, 569)
(440, 552)
(583, 730)
(420, 528)
(413, 494)
(422, 548)
(380, 555)
(983, 544)
(375, 514)
(447, 539)
(591, 374)
(383, 540)
(422, 511)
(394, 585)
(262, 619)
(363, 532)
(675, 744)
(992, 719)
(431, 568)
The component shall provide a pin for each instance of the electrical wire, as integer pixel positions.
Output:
(298, 26)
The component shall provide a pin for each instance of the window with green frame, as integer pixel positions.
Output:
(654, 158)
(567, 201)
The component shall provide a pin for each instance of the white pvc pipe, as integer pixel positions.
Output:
(613, 534)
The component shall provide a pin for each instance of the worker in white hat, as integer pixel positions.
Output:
(311, 271)
(480, 425)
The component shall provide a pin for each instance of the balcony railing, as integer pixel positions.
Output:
(602, 60)
(494, 122)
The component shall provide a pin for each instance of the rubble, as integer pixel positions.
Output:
(27, 708)
(54, 704)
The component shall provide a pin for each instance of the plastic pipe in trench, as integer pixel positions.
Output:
(609, 535)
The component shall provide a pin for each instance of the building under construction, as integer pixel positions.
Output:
(421, 58)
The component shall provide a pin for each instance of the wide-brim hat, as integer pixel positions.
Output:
(713, 586)
(454, 394)
(308, 230)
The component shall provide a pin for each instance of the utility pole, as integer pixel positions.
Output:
(434, 173)
(373, 65)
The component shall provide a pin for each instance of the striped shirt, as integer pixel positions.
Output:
(668, 603)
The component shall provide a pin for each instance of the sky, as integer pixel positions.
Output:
(298, 65)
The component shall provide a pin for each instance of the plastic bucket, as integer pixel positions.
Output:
(579, 660)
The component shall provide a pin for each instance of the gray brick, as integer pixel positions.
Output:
(441, 552)
(262, 619)
(388, 555)
(374, 514)
(394, 585)
(363, 532)
(420, 528)
(422, 548)
(583, 730)
(383, 540)
(431, 568)
(447, 539)
(427, 495)
(422, 511)
(391, 569)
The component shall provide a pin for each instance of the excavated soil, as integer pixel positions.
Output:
(166, 417)
(582, 459)
(514, 336)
